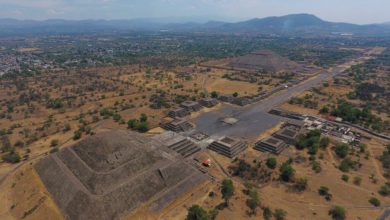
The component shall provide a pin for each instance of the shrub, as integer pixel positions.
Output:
(357, 180)
(280, 214)
(77, 135)
(384, 190)
(54, 150)
(337, 213)
(213, 214)
(347, 164)
(196, 213)
(345, 177)
(324, 142)
(11, 157)
(54, 143)
(301, 184)
(271, 163)
(316, 166)
(287, 172)
(323, 190)
(19, 143)
(374, 201)
(227, 190)
(267, 213)
(341, 150)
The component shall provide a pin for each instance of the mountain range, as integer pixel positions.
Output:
(295, 24)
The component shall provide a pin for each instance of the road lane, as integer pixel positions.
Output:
(253, 119)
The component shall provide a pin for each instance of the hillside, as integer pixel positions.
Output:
(295, 24)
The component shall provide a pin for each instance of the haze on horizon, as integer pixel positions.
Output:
(352, 11)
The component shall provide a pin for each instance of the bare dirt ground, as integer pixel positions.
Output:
(23, 196)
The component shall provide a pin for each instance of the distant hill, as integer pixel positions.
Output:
(299, 24)
(295, 24)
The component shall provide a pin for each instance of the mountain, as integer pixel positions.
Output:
(295, 24)
(299, 24)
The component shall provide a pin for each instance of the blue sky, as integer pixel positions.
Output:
(355, 11)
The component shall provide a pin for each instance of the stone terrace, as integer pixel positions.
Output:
(108, 175)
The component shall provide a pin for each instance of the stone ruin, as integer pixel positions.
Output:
(111, 174)
(228, 146)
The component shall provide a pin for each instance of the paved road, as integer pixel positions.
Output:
(253, 119)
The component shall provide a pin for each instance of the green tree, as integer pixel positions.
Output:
(280, 214)
(77, 135)
(267, 213)
(316, 166)
(132, 123)
(143, 118)
(54, 150)
(345, 177)
(213, 213)
(214, 94)
(287, 172)
(227, 190)
(253, 201)
(271, 163)
(54, 143)
(341, 150)
(143, 127)
(324, 142)
(323, 190)
(196, 213)
(301, 184)
(374, 201)
(337, 213)
(11, 157)
(357, 180)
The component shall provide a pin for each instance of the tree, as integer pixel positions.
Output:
(143, 127)
(357, 180)
(267, 213)
(347, 164)
(54, 143)
(323, 190)
(213, 214)
(235, 94)
(143, 118)
(324, 142)
(375, 202)
(11, 157)
(132, 123)
(253, 201)
(196, 213)
(227, 190)
(287, 172)
(316, 166)
(345, 177)
(54, 150)
(324, 110)
(214, 94)
(77, 135)
(384, 190)
(271, 163)
(337, 213)
(301, 184)
(341, 150)
(280, 214)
